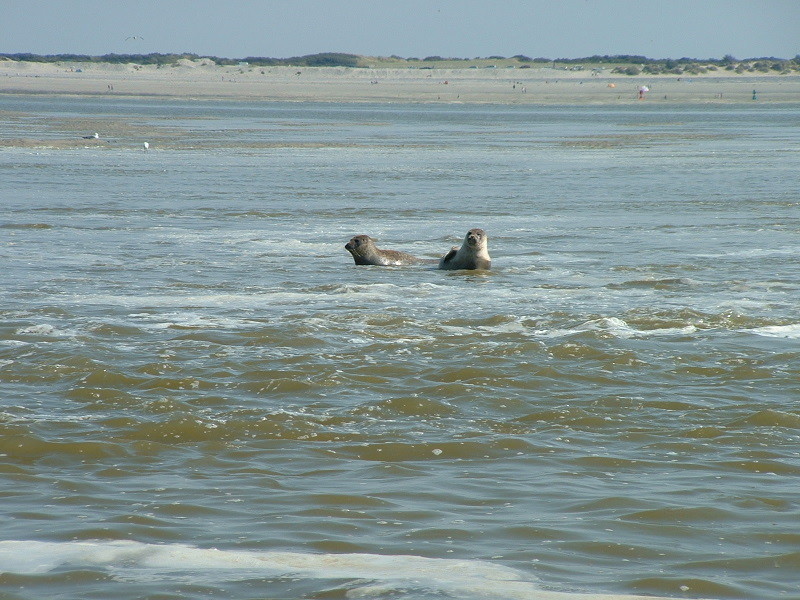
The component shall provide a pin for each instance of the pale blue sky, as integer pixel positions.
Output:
(408, 28)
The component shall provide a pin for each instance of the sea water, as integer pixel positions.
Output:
(203, 397)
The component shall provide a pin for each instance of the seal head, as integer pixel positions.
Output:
(473, 253)
(365, 252)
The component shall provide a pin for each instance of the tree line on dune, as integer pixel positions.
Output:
(155, 58)
(625, 64)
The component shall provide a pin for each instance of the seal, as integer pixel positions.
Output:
(473, 253)
(365, 252)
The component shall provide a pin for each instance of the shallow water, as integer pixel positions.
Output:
(190, 359)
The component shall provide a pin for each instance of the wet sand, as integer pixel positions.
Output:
(203, 79)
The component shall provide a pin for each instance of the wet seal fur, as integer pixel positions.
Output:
(473, 253)
(365, 252)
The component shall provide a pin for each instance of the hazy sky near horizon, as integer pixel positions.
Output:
(407, 28)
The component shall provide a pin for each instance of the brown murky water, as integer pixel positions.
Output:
(202, 396)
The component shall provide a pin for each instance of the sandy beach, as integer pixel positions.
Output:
(204, 79)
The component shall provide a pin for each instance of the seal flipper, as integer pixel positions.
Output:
(449, 256)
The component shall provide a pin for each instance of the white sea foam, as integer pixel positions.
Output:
(191, 320)
(778, 331)
(41, 329)
(376, 574)
(613, 325)
(13, 343)
(754, 252)
(617, 328)
(233, 300)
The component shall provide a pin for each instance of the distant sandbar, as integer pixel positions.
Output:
(205, 79)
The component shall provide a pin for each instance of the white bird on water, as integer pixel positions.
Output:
(146, 146)
(94, 136)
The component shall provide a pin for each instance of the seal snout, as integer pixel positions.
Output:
(474, 237)
(354, 243)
